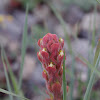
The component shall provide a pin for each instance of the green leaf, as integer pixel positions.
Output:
(97, 52)
(98, 1)
(10, 93)
(89, 65)
(12, 76)
(14, 81)
(24, 46)
(64, 79)
(6, 74)
(91, 81)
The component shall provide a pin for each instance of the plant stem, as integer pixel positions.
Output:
(24, 45)
(64, 79)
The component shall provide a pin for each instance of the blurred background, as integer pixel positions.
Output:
(77, 19)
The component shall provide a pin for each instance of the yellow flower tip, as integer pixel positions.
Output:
(41, 41)
(45, 71)
(62, 66)
(61, 40)
(51, 65)
(57, 81)
(51, 96)
(44, 49)
(39, 53)
(61, 53)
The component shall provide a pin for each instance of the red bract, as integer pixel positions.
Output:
(51, 56)
(56, 88)
(44, 74)
(51, 69)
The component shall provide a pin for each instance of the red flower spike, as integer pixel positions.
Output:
(60, 56)
(47, 38)
(49, 45)
(49, 87)
(58, 78)
(51, 69)
(45, 56)
(61, 42)
(61, 71)
(40, 42)
(56, 88)
(55, 48)
(39, 56)
(51, 50)
(53, 58)
(51, 80)
(55, 38)
(45, 76)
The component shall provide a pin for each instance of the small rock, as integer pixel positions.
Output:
(8, 24)
(29, 66)
(14, 46)
(42, 12)
(10, 32)
(84, 76)
(81, 71)
(70, 30)
(73, 15)
(81, 46)
(51, 22)
(20, 17)
(83, 34)
(90, 21)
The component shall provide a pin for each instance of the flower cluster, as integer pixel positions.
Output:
(51, 56)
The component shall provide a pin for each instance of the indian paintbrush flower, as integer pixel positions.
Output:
(51, 56)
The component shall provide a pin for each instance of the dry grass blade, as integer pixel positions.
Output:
(6, 75)
(10, 93)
